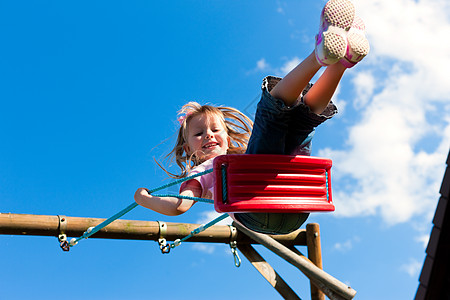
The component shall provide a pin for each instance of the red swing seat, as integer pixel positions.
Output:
(272, 183)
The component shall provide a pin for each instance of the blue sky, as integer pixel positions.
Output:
(89, 93)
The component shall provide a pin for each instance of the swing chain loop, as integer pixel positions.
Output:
(237, 259)
(164, 246)
(65, 246)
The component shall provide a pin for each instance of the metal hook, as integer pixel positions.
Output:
(237, 259)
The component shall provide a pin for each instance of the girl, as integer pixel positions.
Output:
(286, 116)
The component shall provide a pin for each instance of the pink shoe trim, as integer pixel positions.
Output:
(346, 63)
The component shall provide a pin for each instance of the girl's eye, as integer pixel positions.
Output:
(198, 134)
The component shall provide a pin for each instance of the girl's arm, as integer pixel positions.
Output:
(169, 206)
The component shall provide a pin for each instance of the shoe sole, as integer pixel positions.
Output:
(334, 45)
(339, 15)
(359, 45)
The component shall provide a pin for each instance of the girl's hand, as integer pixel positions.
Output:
(170, 206)
(140, 195)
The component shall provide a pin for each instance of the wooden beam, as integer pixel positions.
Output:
(45, 225)
(315, 255)
(332, 287)
(268, 272)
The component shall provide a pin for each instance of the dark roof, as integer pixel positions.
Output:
(434, 280)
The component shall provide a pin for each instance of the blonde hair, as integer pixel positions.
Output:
(237, 125)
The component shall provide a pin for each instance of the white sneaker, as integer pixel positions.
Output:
(357, 44)
(335, 21)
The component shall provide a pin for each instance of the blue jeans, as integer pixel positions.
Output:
(279, 129)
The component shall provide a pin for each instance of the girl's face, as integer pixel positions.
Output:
(207, 137)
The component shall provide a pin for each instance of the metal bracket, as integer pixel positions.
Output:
(62, 237)
(163, 245)
(233, 233)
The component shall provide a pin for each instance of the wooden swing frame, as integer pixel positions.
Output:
(283, 245)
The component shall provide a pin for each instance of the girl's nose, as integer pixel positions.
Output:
(209, 134)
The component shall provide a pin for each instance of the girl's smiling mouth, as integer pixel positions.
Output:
(210, 145)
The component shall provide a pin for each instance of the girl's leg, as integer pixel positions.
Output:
(315, 109)
(319, 95)
(292, 85)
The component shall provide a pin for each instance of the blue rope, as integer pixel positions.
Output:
(177, 181)
(224, 184)
(198, 230)
(205, 200)
(105, 223)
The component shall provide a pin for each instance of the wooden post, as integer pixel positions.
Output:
(315, 255)
(44, 225)
(296, 251)
(332, 287)
(268, 272)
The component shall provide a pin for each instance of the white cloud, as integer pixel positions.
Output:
(339, 102)
(412, 268)
(280, 8)
(261, 65)
(288, 66)
(391, 163)
(208, 216)
(346, 245)
(205, 248)
(402, 95)
(423, 239)
(364, 83)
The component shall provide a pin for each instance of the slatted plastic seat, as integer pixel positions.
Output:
(272, 183)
